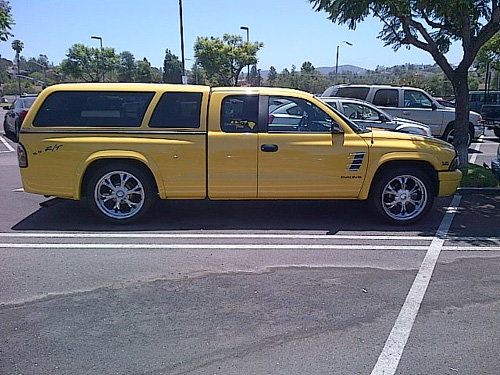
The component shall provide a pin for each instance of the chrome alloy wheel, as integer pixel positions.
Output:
(404, 197)
(119, 195)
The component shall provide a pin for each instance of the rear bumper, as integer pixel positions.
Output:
(449, 182)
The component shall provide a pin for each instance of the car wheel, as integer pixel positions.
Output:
(449, 135)
(402, 196)
(121, 193)
(497, 132)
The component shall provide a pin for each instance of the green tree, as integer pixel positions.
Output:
(89, 64)
(431, 26)
(223, 59)
(6, 20)
(127, 67)
(172, 68)
(272, 76)
(18, 46)
(307, 67)
(490, 53)
(144, 72)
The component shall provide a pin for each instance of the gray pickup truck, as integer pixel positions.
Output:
(491, 117)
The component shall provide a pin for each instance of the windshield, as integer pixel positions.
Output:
(357, 128)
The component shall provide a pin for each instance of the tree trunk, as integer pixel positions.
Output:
(461, 86)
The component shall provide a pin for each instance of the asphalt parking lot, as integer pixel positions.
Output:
(249, 287)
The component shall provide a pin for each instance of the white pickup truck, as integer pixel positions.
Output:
(411, 103)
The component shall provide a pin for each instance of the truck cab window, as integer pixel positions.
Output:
(416, 99)
(239, 114)
(386, 98)
(297, 115)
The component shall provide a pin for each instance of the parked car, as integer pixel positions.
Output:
(367, 115)
(79, 141)
(491, 117)
(15, 116)
(446, 103)
(360, 112)
(411, 103)
(495, 165)
(4, 103)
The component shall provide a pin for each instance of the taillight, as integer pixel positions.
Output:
(22, 156)
(23, 114)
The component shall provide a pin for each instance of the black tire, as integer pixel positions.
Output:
(402, 196)
(120, 192)
(449, 135)
(5, 128)
(497, 132)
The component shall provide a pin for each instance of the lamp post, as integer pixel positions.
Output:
(101, 59)
(337, 60)
(44, 68)
(184, 77)
(248, 41)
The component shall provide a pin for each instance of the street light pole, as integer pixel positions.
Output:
(184, 78)
(44, 68)
(337, 60)
(248, 41)
(100, 60)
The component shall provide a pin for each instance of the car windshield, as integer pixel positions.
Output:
(350, 123)
(28, 102)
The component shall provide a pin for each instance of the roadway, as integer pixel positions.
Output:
(248, 287)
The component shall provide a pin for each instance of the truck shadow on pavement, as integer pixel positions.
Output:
(312, 215)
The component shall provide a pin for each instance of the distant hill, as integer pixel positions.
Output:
(329, 69)
(342, 69)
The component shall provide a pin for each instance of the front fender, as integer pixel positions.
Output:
(396, 157)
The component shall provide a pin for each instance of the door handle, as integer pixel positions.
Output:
(406, 112)
(269, 148)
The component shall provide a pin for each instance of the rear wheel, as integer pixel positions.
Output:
(402, 195)
(120, 193)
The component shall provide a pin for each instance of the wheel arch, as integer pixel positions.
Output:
(96, 161)
(423, 165)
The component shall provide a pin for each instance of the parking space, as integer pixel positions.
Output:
(249, 287)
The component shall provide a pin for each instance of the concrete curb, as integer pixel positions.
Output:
(473, 190)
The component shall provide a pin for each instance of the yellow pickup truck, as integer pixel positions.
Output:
(121, 146)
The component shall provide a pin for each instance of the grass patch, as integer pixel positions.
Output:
(478, 176)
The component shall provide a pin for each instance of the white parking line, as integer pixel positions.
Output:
(388, 360)
(7, 145)
(476, 148)
(119, 246)
(318, 236)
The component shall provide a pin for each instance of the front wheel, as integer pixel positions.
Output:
(120, 193)
(449, 135)
(402, 196)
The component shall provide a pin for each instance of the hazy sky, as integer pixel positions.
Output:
(290, 30)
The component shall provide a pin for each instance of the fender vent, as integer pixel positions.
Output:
(355, 161)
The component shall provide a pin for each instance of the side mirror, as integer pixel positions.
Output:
(434, 106)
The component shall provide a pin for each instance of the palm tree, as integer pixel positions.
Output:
(18, 46)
